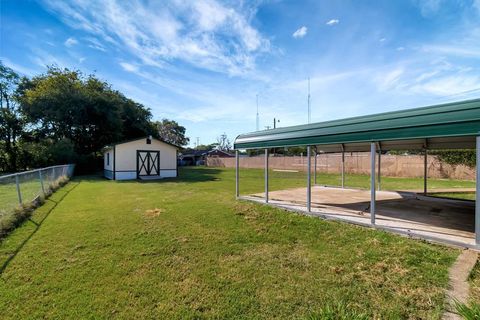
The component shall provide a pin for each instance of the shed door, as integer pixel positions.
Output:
(148, 163)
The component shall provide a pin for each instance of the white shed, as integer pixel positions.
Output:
(144, 158)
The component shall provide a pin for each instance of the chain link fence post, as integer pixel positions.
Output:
(41, 181)
(19, 193)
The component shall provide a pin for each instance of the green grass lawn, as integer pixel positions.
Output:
(9, 196)
(185, 248)
(30, 188)
(455, 195)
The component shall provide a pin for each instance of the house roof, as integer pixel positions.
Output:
(194, 153)
(200, 153)
(220, 151)
(450, 125)
(142, 138)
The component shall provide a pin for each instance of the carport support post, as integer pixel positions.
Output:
(237, 181)
(372, 182)
(266, 175)
(425, 172)
(343, 167)
(309, 178)
(379, 166)
(315, 168)
(477, 197)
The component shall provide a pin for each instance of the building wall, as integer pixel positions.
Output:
(108, 163)
(126, 158)
(357, 163)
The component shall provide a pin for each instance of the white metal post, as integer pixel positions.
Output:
(309, 184)
(315, 168)
(237, 181)
(266, 175)
(379, 168)
(19, 193)
(343, 168)
(372, 182)
(41, 181)
(425, 172)
(477, 197)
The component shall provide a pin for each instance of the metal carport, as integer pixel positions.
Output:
(446, 126)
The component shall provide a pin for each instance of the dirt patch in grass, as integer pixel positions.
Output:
(151, 213)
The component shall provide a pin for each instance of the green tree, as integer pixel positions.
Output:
(206, 147)
(11, 121)
(170, 131)
(64, 105)
(457, 157)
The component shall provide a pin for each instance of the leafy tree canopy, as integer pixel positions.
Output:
(65, 116)
(170, 131)
(11, 121)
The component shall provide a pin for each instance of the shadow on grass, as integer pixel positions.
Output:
(37, 226)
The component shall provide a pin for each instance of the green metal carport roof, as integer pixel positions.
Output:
(445, 126)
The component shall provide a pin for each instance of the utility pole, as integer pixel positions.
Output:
(275, 123)
(198, 141)
(267, 127)
(308, 101)
(258, 119)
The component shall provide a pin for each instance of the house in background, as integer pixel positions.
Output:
(145, 158)
(219, 154)
(199, 157)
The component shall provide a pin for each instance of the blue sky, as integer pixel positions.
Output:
(202, 63)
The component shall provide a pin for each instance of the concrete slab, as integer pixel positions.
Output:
(446, 221)
(147, 178)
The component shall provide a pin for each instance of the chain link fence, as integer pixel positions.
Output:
(24, 188)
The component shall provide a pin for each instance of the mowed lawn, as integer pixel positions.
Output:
(185, 248)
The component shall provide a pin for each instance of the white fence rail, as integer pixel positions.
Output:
(23, 188)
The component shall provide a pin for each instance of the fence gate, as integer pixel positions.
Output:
(148, 163)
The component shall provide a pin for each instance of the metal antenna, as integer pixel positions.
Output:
(258, 119)
(308, 101)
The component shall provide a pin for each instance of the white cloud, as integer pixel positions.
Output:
(400, 48)
(70, 42)
(43, 59)
(463, 50)
(449, 85)
(300, 32)
(206, 34)
(332, 22)
(476, 5)
(390, 79)
(429, 8)
(18, 68)
(95, 44)
(129, 67)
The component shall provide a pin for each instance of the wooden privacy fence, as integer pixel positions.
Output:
(356, 163)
